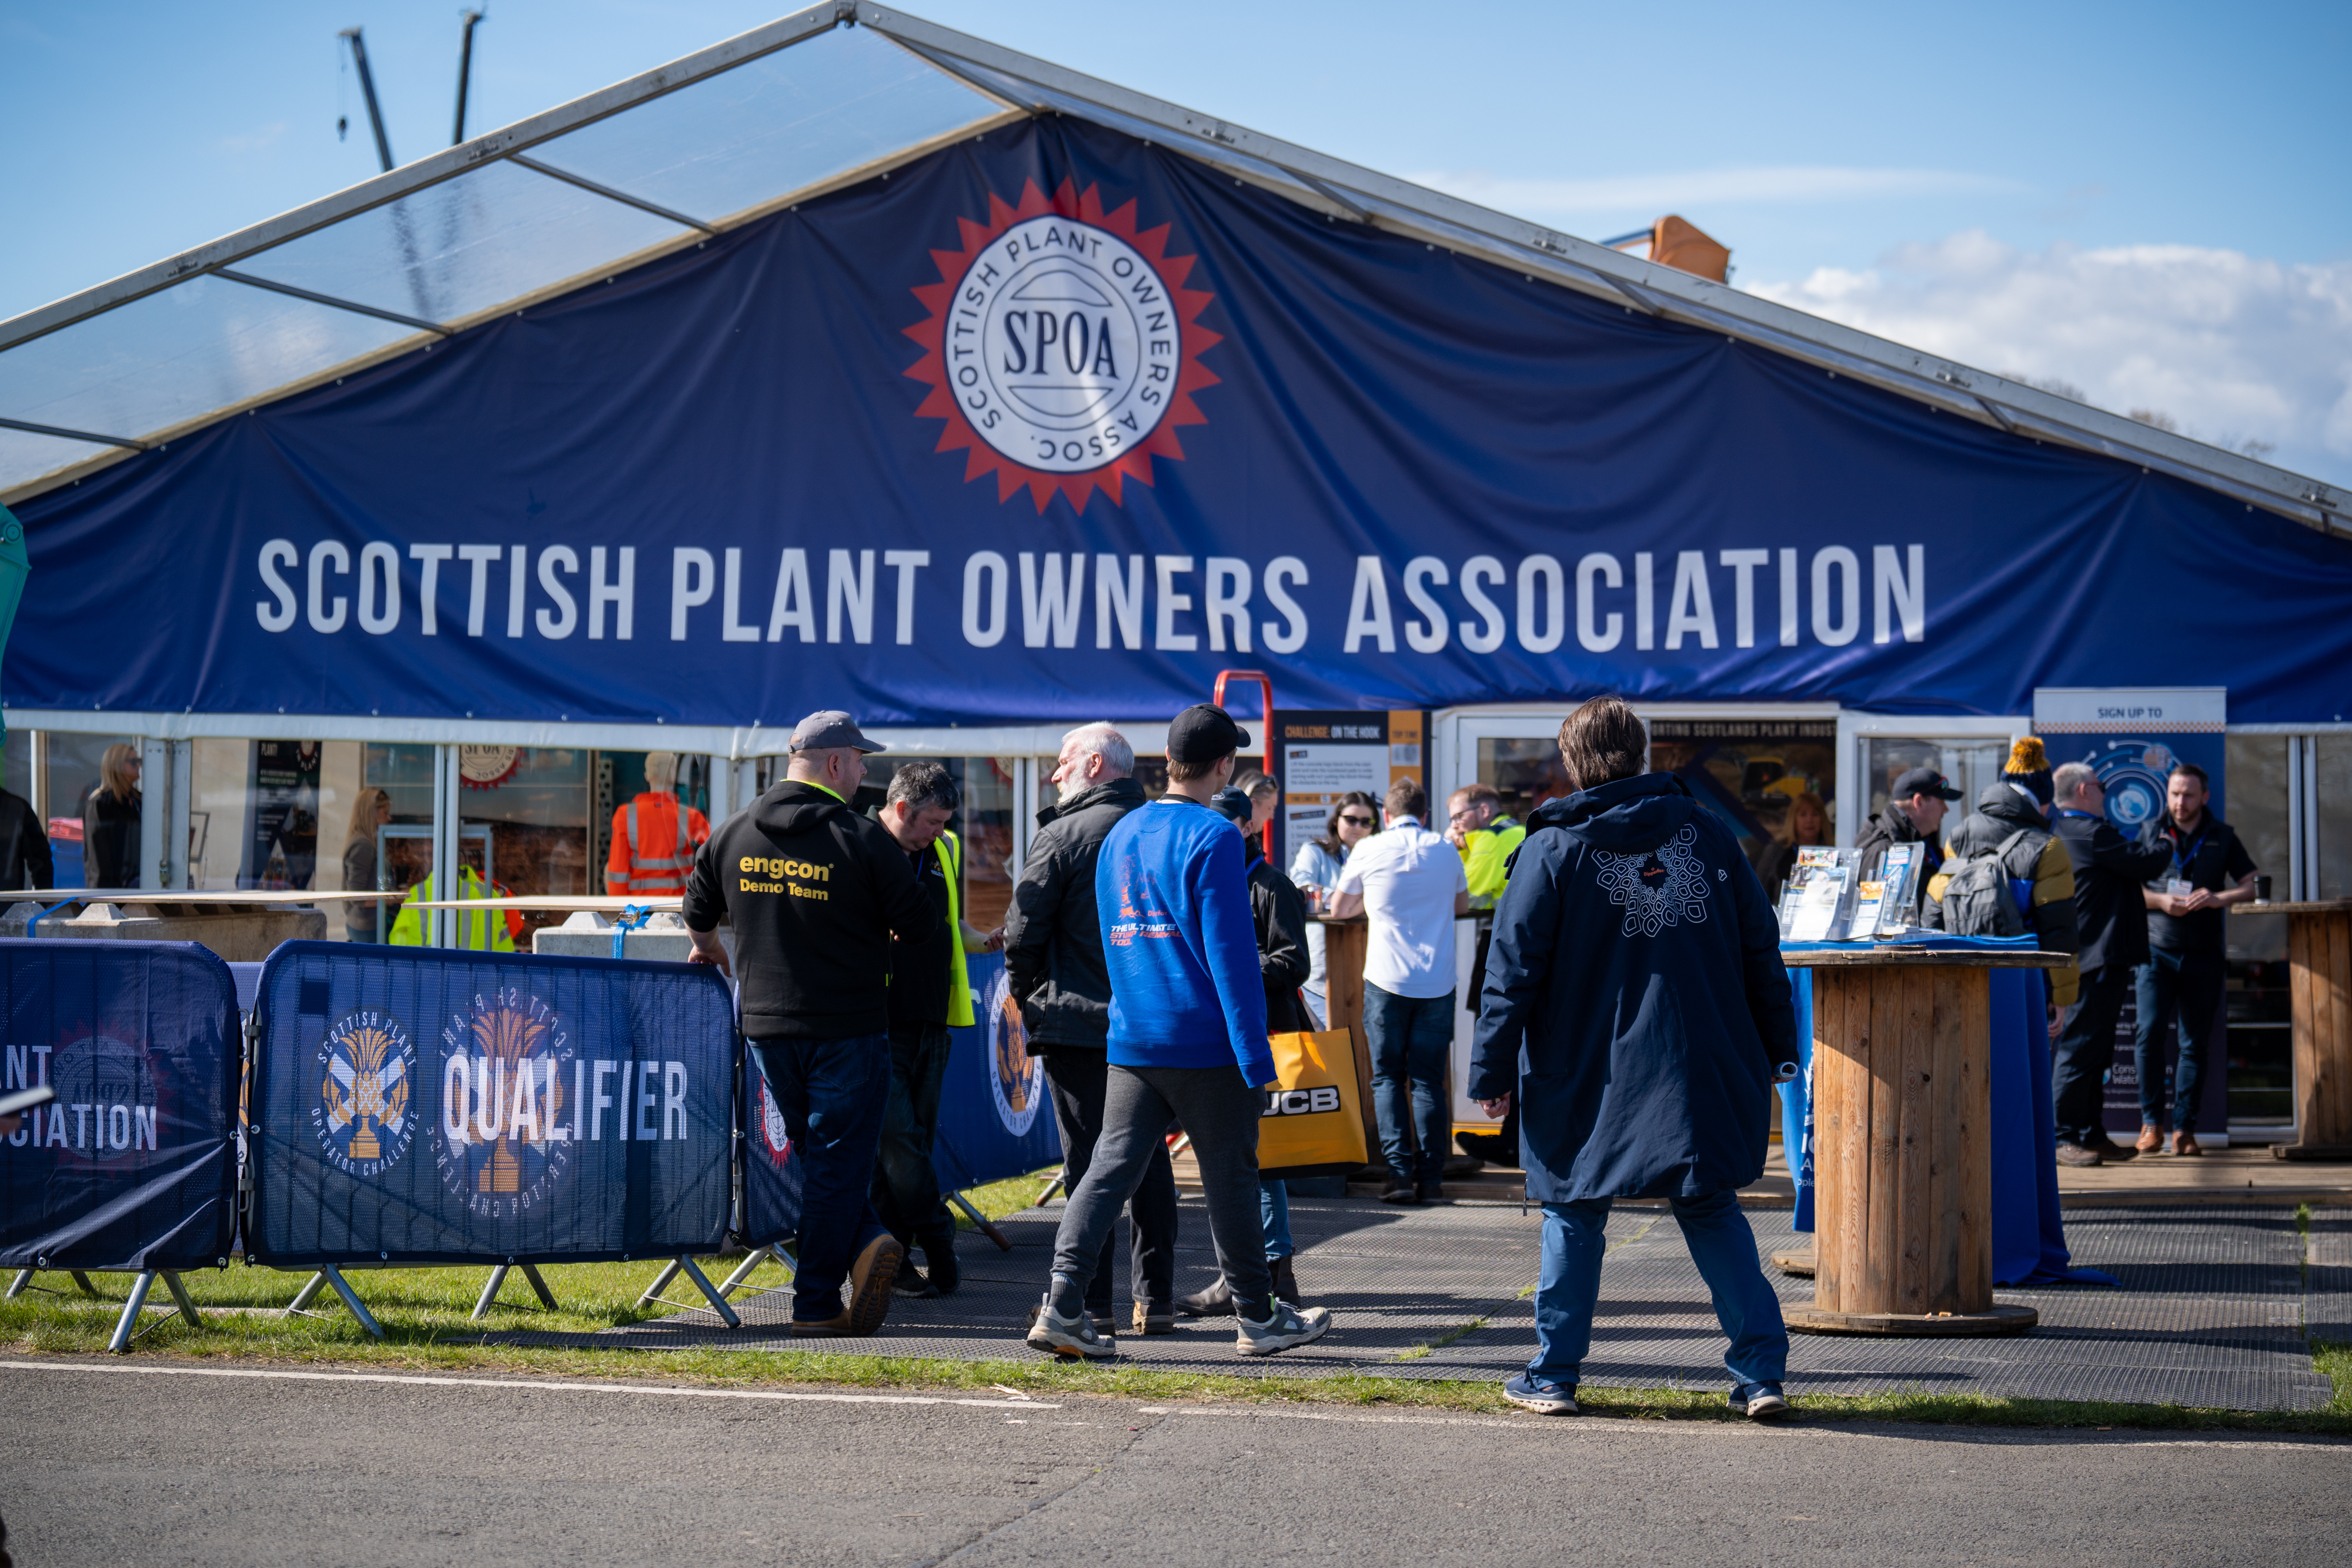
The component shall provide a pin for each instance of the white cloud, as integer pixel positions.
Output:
(2234, 346)
(1652, 194)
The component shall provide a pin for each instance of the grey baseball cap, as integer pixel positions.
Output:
(830, 728)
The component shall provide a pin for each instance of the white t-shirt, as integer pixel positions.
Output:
(1408, 877)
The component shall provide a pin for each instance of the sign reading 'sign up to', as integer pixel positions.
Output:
(463, 1107)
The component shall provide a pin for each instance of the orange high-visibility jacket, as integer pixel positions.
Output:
(654, 841)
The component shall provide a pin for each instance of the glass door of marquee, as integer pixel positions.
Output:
(1754, 769)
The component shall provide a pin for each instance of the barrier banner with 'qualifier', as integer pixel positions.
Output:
(422, 1106)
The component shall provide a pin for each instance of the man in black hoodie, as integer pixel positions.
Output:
(814, 891)
(1053, 966)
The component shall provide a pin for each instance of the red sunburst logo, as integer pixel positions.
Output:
(1061, 349)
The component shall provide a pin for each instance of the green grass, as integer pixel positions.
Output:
(422, 1309)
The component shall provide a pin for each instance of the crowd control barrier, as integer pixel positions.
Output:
(132, 1167)
(421, 1106)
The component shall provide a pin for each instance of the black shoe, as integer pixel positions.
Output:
(1430, 1191)
(1491, 1148)
(1400, 1192)
(940, 1268)
(1285, 1281)
(2108, 1149)
(1216, 1301)
(911, 1283)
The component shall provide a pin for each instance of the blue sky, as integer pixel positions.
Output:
(2150, 202)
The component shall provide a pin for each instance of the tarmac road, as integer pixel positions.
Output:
(107, 1462)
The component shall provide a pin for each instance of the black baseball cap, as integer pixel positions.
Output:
(1203, 733)
(1925, 781)
(830, 728)
(1232, 803)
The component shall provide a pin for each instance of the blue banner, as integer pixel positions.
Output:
(430, 1107)
(995, 1118)
(1056, 399)
(133, 1164)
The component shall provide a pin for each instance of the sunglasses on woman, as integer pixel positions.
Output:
(1357, 821)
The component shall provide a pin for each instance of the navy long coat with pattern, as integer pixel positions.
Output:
(1635, 1000)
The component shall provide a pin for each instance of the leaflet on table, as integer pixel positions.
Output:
(1869, 898)
(1899, 892)
(1817, 904)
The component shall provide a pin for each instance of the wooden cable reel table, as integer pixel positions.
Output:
(2319, 988)
(1902, 1106)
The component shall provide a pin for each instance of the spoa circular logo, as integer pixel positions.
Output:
(1015, 1077)
(1062, 347)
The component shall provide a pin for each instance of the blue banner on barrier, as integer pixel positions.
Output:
(423, 1106)
(994, 1121)
(133, 1164)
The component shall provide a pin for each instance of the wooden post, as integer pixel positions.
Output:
(1902, 1115)
(2319, 986)
(1344, 945)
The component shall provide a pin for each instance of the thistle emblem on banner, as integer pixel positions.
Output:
(506, 1104)
(367, 1070)
(1013, 1074)
(1062, 348)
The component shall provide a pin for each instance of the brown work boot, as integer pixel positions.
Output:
(871, 1276)
(2151, 1138)
(2077, 1155)
(2185, 1142)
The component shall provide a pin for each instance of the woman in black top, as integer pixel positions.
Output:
(369, 812)
(110, 821)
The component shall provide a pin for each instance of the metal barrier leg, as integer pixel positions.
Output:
(179, 1297)
(760, 1255)
(83, 1281)
(654, 1291)
(139, 1289)
(980, 1222)
(490, 1292)
(333, 1276)
(16, 1286)
(718, 1302)
(308, 1294)
(546, 1296)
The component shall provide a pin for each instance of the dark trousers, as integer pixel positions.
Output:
(1410, 1038)
(906, 1186)
(832, 1093)
(2085, 1050)
(1221, 1111)
(2175, 987)
(1079, 1080)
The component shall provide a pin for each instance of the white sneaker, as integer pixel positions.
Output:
(1073, 1337)
(1289, 1326)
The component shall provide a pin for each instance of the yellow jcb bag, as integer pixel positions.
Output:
(1313, 1124)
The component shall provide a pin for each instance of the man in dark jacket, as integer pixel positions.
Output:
(1053, 966)
(1913, 816)
(815, 893)
(2112, 919)
(25, 857)
(1636, 1005)
(1279, 911)
(2183, 976)
(2039, 870)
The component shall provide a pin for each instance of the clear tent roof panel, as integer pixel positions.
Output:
(466, 245)
(193, 348)
(738, 140)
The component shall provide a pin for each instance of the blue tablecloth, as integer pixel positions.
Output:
(2029, 1231)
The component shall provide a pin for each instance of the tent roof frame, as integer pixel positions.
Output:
(1021, 84)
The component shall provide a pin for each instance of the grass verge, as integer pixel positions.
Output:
(421, 1309)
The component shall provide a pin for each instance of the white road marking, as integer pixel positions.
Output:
(546, 1385)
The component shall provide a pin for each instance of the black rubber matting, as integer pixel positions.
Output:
(2212, 1311)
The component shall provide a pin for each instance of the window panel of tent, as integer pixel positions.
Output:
(775, 125)
(24, 456)
(179, 354)
(465, 245)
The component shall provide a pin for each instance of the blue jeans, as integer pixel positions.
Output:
(1721, 1243)
(1410, 1038)
(2186, 988)
(832, 1093)
(1274, 1218)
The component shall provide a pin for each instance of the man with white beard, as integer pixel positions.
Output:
(1054, 968)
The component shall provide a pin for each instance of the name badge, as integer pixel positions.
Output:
(2179, 887)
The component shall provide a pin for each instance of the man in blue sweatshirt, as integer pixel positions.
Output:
(1187, 1043)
